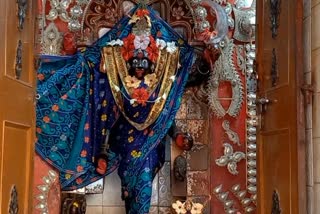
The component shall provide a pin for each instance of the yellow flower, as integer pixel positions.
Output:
(103, 132)
(179, 207)
(104, 117)
(180, 41)
(136, 114)
(132, 82)
(68, 176)
(130, 139)
(196, 208)
(150, 79)
(104, 103)
(135, 154)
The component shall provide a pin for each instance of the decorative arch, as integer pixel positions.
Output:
(104, 14)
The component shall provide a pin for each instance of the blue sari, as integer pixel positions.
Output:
(76, 110)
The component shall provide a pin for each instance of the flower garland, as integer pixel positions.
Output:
(140, 45)
(140, 96)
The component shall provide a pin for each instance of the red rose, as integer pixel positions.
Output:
(127, 49)
(141, 95)
(152, 50)
(142, 12)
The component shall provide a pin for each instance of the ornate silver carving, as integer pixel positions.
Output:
(224, 70)
(222, 22)
(18, 66)
(230, 159)
(13, 204)
(251, 123)
(52, 40)
(223, 197)
(241, 196)
(228, 9)
(244, 3)
(202, 26)
(44, 188)
(241, 61)
(22, 10)
(232, 135)
(59, 10)
(200, 12)
(220, 1)
(82, 2)
(244, 24)
(76, 11)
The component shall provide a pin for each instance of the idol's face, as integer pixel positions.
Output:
(140, 67)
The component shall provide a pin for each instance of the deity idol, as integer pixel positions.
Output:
(110, 106)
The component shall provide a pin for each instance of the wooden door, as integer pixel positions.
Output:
(17, 108)
(281, 173)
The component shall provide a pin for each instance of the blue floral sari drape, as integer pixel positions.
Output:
(76, 109)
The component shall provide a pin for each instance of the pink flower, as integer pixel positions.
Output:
(141, 42)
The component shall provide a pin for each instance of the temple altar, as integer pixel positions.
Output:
(216, 110)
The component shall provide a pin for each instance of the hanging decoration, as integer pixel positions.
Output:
(22, 10)
(224, 70)
(18, 66)
(14, 203)
(275, 9)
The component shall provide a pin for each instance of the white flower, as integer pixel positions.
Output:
(161, 44)
(117, 88)
(179, 207)
(179, 65)
(115, 42)
(132, 101)
(196, 208)
(164, 96)
(173, 77)
(171, 47)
